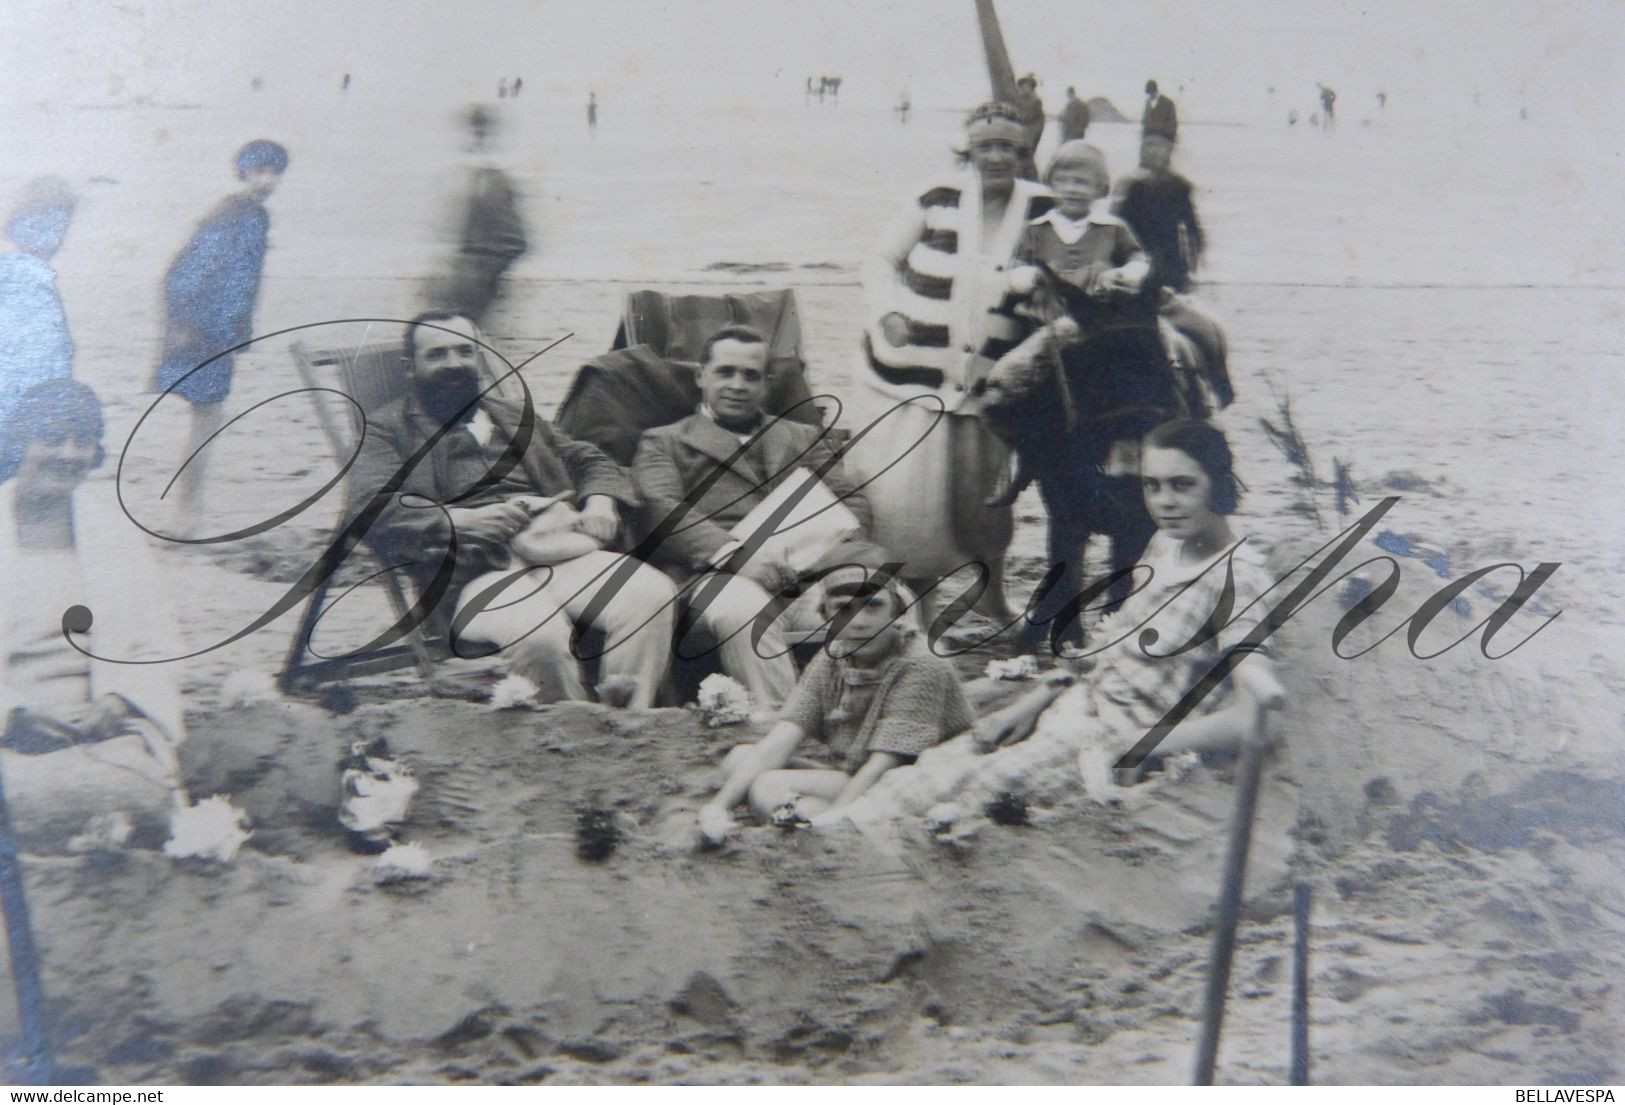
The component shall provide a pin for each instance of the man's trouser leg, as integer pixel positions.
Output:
(636, 618)
(532, 617)
(729, 616)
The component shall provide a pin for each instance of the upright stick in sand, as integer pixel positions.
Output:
(24, 958)
(1300, 984)
(1250, 771)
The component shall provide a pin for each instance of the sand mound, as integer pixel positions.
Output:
(1006, 953)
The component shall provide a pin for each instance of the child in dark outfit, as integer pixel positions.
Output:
(1075, 397)
(1087, 249)
(873, 700)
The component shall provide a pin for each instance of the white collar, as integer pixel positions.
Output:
(744, 438)
(482, 427)
(1071, 230)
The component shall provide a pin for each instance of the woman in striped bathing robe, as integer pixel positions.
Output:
(935, 288)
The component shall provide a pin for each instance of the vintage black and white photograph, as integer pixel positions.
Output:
(968, 542)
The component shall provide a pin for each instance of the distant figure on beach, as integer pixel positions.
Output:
(491, 231)
(806, 97)
(209, 295)
(344, 85)
(1074, 117)
(1030, 109)
(1160, 115)
(903, 108)
(592, 114)
(1382, 100)
(518, 85)
(35, 345)
(502, 89)
(1328, 107)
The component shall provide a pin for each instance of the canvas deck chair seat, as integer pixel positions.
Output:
(371, 375)
(650, 377)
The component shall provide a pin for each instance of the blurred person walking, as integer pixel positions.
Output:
(490, 232)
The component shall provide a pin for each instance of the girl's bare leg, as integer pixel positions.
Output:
(811, 790)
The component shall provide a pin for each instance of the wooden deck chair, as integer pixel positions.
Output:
(371, 375)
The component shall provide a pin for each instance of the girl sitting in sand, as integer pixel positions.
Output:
(1195, 559)
(873, 700)
(90, 723)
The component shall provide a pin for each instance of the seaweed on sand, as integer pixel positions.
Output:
(1009, 809)
(596, 834)
(1289, 440)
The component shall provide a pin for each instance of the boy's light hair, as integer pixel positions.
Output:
(1078, 154)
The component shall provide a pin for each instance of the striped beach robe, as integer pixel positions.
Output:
(932, 267)
(929, 476)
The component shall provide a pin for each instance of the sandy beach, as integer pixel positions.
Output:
(1461, 819)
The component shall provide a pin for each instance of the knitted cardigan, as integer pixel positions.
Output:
(918, 704)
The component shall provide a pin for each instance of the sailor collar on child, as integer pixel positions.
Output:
(1070, 231)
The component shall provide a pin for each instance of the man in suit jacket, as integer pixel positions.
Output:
(1160, 116)
(699, 477)
(444, 481)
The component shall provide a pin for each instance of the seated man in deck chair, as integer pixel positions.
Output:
(700, 477)
(527, 514)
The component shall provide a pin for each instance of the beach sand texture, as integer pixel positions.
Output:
(1443, 317)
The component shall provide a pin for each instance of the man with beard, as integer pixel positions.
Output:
(470, 475)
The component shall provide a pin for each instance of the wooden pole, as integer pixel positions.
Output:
(1300, 984)
(25, 975)
(999, 70)
(1229, 910)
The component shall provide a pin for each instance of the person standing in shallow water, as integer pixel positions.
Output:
(592, 114)
(1328, 107)
(35, 345)
(1074, 117)
(209, 296)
